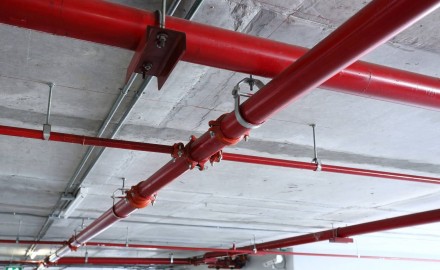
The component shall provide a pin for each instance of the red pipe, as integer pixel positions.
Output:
(341, 48)
(158, 148)
(121, 261)
(294, 253)
(230, 252)
(364, 228)
(122, 26)
(85, 140)
(328, 168)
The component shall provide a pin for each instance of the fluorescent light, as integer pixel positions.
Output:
(33, 255)
(79, 197)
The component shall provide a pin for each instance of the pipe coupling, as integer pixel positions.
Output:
(136, 199)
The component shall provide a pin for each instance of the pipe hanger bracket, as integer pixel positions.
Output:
(237, 94)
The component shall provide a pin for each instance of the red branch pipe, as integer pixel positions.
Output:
(230, 252)
(341, 48)
(292, 253)
(328, 168)
(364, 228)
(158, 148)
(121, 261)
(85, 140)
(123, 27)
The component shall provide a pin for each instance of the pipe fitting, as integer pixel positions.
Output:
(201, 165)
(136, 199)
(215, 130)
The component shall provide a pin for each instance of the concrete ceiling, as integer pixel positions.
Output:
(230, 203)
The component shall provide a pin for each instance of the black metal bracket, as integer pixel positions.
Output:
(158, 53)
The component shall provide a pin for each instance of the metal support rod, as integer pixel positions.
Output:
(360, 34)
(163, 14)
(315, 150)
(207, 45)
(49, 103)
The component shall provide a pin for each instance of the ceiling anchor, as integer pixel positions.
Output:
(47, 126)
(237, 94)
(315, 159)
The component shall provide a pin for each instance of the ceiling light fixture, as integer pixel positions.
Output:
(79, 197)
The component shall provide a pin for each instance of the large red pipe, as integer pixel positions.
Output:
(122, 26)
(341, 48)
(158, 148)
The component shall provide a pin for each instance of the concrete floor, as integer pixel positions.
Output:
(230, 203)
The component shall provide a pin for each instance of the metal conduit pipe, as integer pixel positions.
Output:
(360, 34)
(121, 26)
(165, 149)
(72, 185)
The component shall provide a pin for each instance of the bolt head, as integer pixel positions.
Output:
(147, 66)
(246, 138)
(161, 40)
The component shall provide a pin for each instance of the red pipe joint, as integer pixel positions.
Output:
(136, 200)
(71, 243)
(192, 163)
(216, 131)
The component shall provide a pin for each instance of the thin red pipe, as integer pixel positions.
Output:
(230, 252)
(121, 261)
(343, 256)
(328, 168)
(85, 140)
(158, 148)
(121, 26)
(341, 48)
(364, 228)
